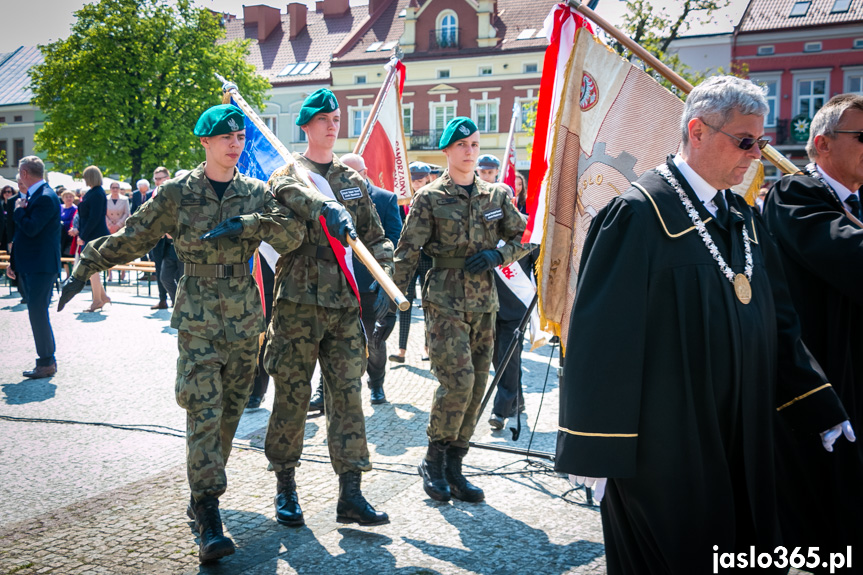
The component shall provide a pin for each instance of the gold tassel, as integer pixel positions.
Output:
(226, 97)
(755, 185)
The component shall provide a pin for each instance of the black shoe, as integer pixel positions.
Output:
(190, 509)
(397, 358)
(460, 487)
(160, 305)
(431, 470)
(352, 506)
(214, 545)
(378, 396)
(287, 503)
(317, 402)
(254, 402)
(41, 371)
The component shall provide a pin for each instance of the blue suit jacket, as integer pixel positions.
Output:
(91, 215)
(36, 247)
(387, 205)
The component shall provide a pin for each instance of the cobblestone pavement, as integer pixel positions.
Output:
(92, 468)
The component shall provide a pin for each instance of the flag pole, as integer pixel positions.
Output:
(359, 248)
(773, 155)
(510, 139)
(375, 111)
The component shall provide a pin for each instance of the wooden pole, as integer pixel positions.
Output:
(361, 250)
(773, 155)
(360, 147)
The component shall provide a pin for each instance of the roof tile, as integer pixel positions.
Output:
(765, 15)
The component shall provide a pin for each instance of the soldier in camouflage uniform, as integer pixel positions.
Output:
(458, 220)
(218, 313)
(316, 315)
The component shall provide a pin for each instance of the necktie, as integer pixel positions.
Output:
(721, 209)
(856, 209)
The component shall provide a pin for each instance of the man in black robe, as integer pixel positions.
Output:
(681, 352)
(815, 218)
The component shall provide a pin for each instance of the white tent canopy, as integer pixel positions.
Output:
(4, 182)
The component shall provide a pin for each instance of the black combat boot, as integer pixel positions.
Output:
(352, 506)
(317, 402)
(431, 470)
(288, 510)
(190, 510)
(460, 487)
(214, 545)
(377, 389)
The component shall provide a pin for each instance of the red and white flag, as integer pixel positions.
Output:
(560, 28)
(508, 171)
(383, 147)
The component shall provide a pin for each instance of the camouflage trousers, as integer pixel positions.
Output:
(299, 335)
(461, 345)
(214, 379)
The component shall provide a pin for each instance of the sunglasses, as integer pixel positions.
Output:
(858, 132)
(743, 143)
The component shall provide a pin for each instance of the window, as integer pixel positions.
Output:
(358, 119)
(19, 118)
(2, 119)
(531, 68)
(527, 106)
(771, 93)
(811, 95)
(858, 45)
(408, 118)
(812, 47)
(4, 157)
(272, 123)
(374, 47)
(840, 6)
(799, 9)
(526, 34)
(441, 113)
(485, 70)
(443, 73)
(17, 150)
(298, 136)
(854, 81)
(359, 79)
(485, 115)
(448, 30)
(766, 50)
(298, 69)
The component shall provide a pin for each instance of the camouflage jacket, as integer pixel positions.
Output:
(186, 208)
(309, 280)
(446, 223)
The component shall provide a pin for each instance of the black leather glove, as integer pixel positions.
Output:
(70, 288)
(382, 301)
(383, 329)
(484, 260)
(339, 222)
(227, 229)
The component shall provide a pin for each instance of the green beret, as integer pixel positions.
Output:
(218, 120)
(320, 101)
(457, 129)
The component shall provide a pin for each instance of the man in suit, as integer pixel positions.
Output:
(36, 256)
(142, 195)
(387, 205)
(816, 220)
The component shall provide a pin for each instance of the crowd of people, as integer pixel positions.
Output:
(714, 351)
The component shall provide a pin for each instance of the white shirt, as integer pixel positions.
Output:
(32, 189)
(843, 192)
(699, 185)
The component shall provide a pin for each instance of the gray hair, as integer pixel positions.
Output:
(33, 165)
(827, 119)
(352, 160)
(715, 99)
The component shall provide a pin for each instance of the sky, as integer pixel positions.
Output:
(55, 17)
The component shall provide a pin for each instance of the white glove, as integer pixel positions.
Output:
(829, 437)
(595, 483)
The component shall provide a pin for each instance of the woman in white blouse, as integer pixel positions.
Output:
(117, 213)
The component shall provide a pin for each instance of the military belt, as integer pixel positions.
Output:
(318, 252)
(216, 270)
(451, 263)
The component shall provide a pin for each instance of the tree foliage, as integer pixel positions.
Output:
(125, 89)
(656, 25)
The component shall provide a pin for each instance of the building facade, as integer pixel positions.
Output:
(19, 119)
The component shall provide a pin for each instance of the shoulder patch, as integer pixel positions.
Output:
(351, 194)
(492, 214)
(447, 201)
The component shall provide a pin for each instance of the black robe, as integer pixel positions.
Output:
(821, 496)
(671, 384)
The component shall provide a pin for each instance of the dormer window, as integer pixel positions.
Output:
(446, 31)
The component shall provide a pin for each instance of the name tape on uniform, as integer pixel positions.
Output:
(351, 194)
(447, 201)
(493, 214)
(193, 201)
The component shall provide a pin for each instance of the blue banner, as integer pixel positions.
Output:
(259, 158)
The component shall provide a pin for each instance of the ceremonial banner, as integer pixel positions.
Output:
(384, 149)
(614, 123)
(560, 28)
(508, 168)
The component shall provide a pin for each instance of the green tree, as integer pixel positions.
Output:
(124, 90)
(654, 27)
